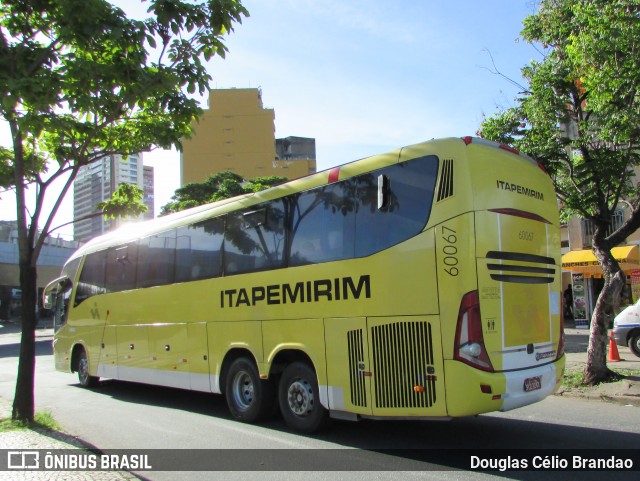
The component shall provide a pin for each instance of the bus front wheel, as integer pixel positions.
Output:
(299, 398)
(85, 379)
(249, 398)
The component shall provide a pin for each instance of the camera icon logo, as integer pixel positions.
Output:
(23, 460)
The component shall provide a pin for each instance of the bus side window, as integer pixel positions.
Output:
(255, 239)
(121, 267)
(407, 206)
(156, 260)
(323, 225)
(199, 250)
(92, 277)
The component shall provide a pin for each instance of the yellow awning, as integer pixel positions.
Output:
(585, 261)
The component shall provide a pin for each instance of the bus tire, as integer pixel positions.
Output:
(299, 399)
(249, 398)
(85, 379)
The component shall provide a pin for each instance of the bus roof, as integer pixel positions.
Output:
(137, 230)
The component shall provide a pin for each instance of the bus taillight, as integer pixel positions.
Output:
(469, 343)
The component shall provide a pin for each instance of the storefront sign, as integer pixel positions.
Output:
(635, 285)
(579, 301)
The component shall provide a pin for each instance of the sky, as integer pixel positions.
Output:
(360, 76)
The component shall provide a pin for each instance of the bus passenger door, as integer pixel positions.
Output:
(348, 370)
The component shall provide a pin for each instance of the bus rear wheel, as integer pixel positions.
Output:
(85, 379)
(249, 398)
(299, 398)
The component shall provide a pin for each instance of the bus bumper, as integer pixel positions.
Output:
(470, 391)
(62, 354)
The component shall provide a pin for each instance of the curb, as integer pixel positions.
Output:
(621, 400)
(627, 400)
(625, 391)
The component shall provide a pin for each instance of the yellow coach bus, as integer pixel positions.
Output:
(424, 282)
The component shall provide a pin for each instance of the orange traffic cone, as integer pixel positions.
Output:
(613, 350)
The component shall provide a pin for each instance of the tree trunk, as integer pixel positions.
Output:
(23, 403)
(596, 369)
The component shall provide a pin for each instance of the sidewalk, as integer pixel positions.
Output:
(626, 391)
(27, 439)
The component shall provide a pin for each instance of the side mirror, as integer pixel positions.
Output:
(53, 289)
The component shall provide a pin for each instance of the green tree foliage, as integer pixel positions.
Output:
(80, 81)
(222, 185)
(580, 117)
(126, 201)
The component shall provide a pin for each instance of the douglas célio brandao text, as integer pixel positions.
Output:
(573, 462)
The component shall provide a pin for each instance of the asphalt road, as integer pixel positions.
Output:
(120, 415)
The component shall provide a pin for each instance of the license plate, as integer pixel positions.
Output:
(532, 384)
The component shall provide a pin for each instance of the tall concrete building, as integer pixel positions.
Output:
(96, 183)
(149, 194)
(237, 134)
(296, 149)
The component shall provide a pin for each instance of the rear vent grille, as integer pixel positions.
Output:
(356, 371)
(402, 355)
(522, 274)
(445, 187)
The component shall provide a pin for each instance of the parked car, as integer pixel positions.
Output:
(626, 328)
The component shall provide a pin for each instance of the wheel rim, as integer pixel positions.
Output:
(638, 344)
(83, 369)
(242, 390)
(300, 397)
